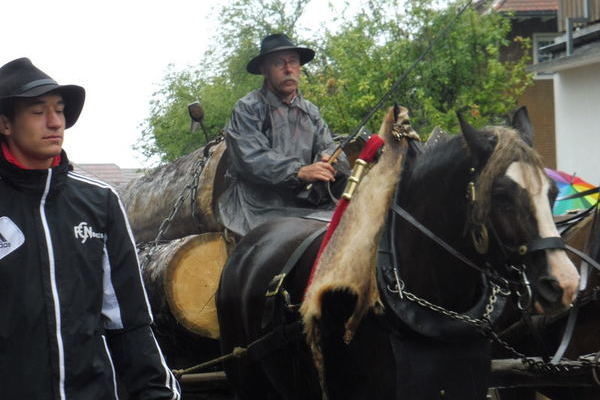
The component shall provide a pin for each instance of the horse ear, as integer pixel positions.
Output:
(480, 143)
(396, 112)
(522, 124)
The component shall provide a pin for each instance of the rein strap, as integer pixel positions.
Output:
(409, 218)
(553, 242)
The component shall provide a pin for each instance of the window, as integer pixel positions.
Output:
(541, 40)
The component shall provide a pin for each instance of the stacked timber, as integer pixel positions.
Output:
(181, 270)
(172, 212)
(151, 198)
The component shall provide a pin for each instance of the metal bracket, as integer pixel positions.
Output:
(277, 281)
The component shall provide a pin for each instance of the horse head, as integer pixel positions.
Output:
(509, 214)
(486, 195)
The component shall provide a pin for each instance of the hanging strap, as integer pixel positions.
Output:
(276, 286)
(409, 218)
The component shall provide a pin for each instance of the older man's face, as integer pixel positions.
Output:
(282, 72)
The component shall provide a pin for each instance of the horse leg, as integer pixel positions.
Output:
(516, 394)
(363, 368)
(430, 369)
(245, 376)
(571, 393)
(291, 372)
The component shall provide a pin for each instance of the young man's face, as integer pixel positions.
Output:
(35, 134)
(282, 71)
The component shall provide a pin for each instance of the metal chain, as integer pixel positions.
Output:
(485, 325)
(478, 322)
(190, 190)
(489, 307)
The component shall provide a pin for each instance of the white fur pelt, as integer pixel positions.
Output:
(348, 262)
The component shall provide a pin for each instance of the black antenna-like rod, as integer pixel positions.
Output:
(396, 84)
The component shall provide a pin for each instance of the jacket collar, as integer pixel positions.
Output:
(34, 180)
(274, 101)
(11, 158)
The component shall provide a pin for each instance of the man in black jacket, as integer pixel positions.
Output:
(73, 310)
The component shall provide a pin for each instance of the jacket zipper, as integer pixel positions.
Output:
(55, 298)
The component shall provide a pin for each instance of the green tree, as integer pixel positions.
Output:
(218, 81)
(363, 60)
(356, 64)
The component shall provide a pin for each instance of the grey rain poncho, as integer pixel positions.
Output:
(267, 143)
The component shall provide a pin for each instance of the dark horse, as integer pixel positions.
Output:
(543, 336)
(392, 356)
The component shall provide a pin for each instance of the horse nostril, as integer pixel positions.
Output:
(549, 289)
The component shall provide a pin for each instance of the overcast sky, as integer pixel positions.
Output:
(118, 51)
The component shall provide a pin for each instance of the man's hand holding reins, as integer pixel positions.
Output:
(319, 171)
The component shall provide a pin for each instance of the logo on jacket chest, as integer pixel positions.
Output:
(83, 232)
(11, 237)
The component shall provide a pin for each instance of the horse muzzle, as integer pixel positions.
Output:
(557, 290)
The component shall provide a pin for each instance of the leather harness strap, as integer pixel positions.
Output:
(409, 218)
(276, 286)
(584, 273)
(553, 242)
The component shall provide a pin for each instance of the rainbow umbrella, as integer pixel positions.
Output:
(572, 192)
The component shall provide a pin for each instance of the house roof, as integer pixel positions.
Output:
(525, 5)
(109, 173)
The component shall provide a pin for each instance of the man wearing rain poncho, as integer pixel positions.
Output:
(277, 145)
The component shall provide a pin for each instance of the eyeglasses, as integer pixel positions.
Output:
(280, 63)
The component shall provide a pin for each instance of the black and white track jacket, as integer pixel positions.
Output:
(74, 314)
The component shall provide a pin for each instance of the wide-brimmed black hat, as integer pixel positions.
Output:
(20, 78)
(278, 42)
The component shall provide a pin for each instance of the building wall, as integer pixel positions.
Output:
(574, 8)
(577, 109)
(539, 100)
(526, 28)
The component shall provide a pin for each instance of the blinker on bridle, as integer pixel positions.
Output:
(480, 236)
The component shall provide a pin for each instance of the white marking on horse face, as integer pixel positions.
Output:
(561, 266)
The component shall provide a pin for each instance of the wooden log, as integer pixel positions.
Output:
(181, 278)
(150, 199)
(206, 377)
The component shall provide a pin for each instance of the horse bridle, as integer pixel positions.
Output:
(536, 245)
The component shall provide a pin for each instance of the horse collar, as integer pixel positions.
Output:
(423, 317)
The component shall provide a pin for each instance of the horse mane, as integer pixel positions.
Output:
(449, 156)
(509, 148)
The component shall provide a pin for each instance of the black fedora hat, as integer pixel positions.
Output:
(20, 78)
(278, 42)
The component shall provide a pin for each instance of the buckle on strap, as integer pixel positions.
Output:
(275, 285)
(553, 242)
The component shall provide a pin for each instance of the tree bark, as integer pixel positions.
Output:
(150, 199)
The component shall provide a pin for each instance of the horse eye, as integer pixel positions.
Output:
(503, 202)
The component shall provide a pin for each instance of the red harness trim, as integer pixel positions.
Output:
(367, 154)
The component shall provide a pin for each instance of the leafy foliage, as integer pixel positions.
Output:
(355, 66)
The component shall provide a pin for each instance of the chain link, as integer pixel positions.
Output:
(478, 322)
(485, 325)
(190, 190)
